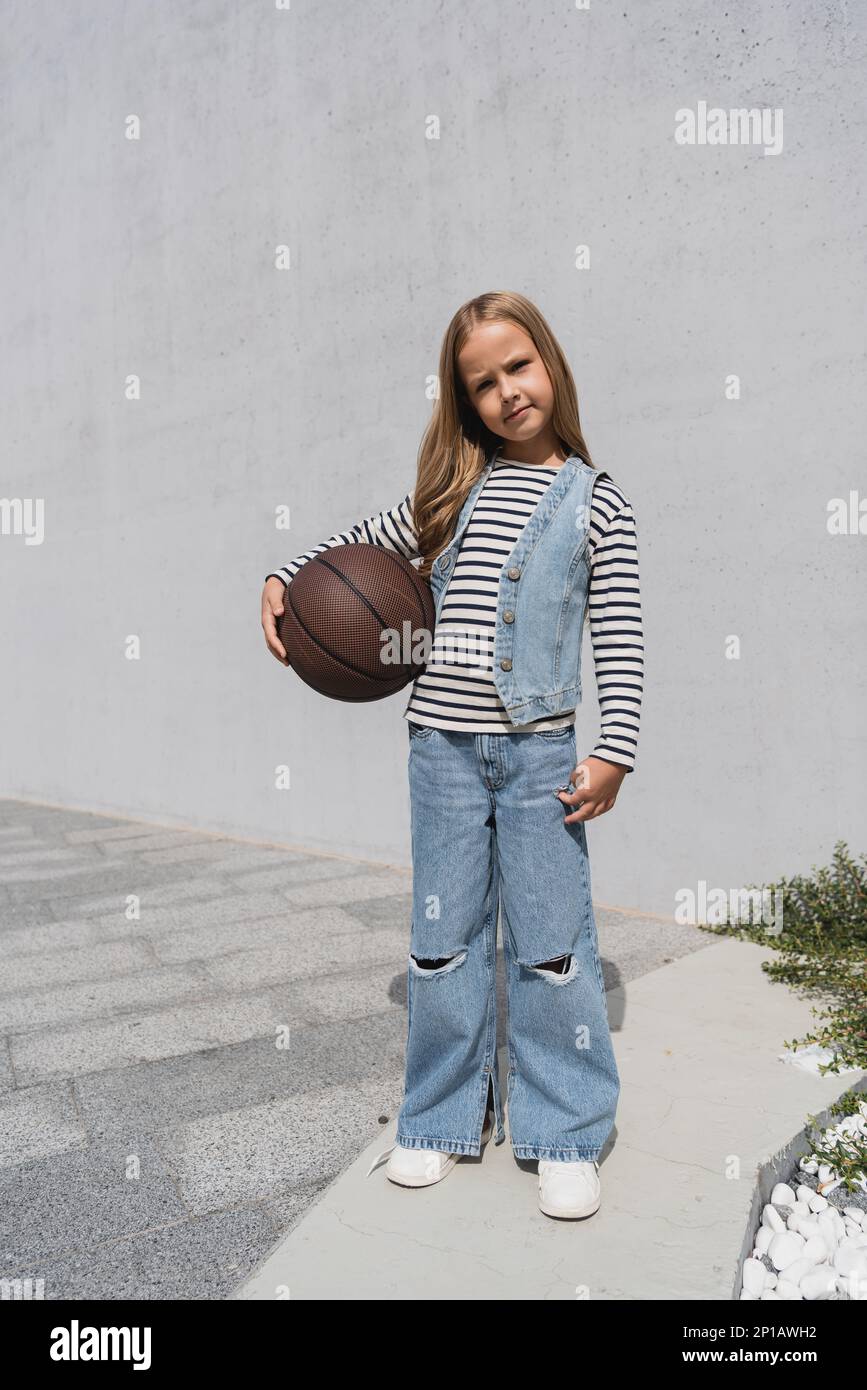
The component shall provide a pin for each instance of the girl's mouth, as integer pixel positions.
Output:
(519, 413)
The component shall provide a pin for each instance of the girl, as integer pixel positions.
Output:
(522, 540)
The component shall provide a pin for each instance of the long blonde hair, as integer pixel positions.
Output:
(457, 444)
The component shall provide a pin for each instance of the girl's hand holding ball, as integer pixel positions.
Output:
(272, 609)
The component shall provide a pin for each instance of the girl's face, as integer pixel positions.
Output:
(502, 374)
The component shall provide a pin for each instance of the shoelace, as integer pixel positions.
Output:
(379, 1157)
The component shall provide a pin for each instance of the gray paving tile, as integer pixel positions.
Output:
(201, 1258)
(7, 1077)
(303, 932)
(54, 820)
(246, 1155)
(100, 877)
(39, 969)
(38, 1121)
(240, 856)
(74, 1200)
(395, 910)
(18, 815)
(130, 846)
(349, 891)
(228, 1018)
(331, 998)
(187, 932)
(15, 915)
(34, 861)
(231, 910)
(305, 954)
(161, 1094)
(134, 830)
(293, 871)
(60, 1005)
(157, 890)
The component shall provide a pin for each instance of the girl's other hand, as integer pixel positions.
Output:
(272, 609)
(596, 785)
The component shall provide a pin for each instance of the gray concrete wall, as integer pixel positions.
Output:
(260, 387)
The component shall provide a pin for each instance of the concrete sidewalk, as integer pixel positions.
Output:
(696, 1043)
(182, 1088)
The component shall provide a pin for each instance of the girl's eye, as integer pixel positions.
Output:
(525, 362)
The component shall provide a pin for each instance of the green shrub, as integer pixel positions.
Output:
(822, 952)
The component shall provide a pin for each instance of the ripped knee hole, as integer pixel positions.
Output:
(441, 965)
(558, 966)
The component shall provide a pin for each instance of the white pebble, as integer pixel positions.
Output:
(782, 1195)
(852, 1287)
(772, 1219)
(754, 1277)
(763, 1239)
(825, 1221)
(848, 1242)
(818, 1285)
(798, 1270)
(816, 1250)
(785, 1248)
(851, 1262)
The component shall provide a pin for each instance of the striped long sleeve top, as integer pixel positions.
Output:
(456, 689)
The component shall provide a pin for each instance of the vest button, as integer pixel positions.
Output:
(513, 572)
(508, 616)
(506, 664)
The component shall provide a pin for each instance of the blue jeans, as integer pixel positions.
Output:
(486, 827)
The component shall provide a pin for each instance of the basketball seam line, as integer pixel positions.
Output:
(334, 570)
(414, 579)
(341, 661)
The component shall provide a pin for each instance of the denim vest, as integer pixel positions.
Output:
(542, 595)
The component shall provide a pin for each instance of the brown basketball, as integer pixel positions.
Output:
(335, 612)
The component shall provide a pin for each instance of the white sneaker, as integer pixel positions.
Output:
(568, 1189)
(418, 1167)
(422, 1167)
